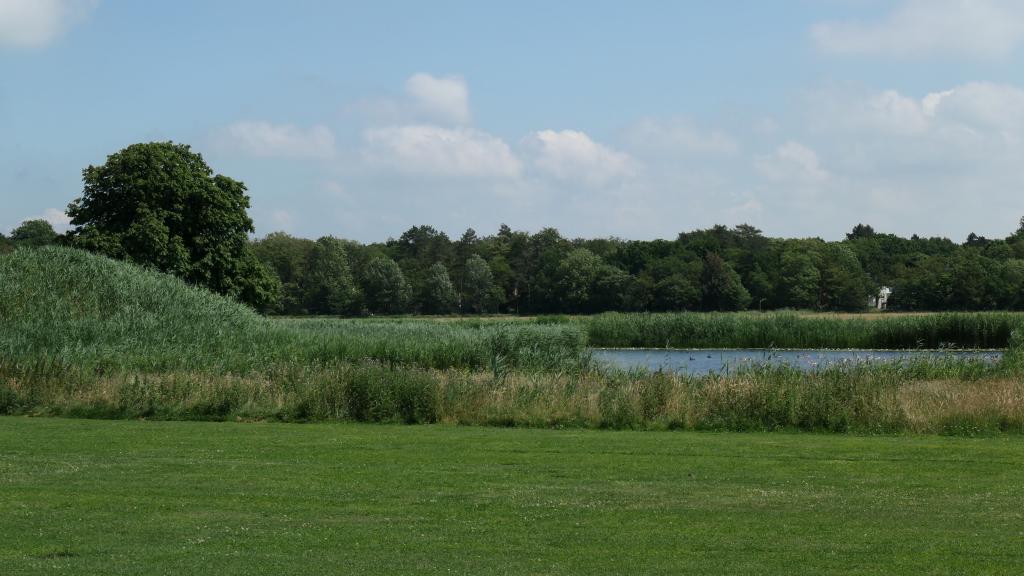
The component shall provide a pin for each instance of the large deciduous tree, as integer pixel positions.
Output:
(844, 285)
(160, 205)
(586, 283)
(675, 292)
(577, 275)
(288, 257)
(329, 286)
(439, 295)
(478, 287)
(799, 280)
(385, 287)
(721, 287)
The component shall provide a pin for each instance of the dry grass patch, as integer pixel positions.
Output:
(948, 405)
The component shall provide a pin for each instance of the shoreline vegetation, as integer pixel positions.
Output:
(957, 399)
(778, 349)
(85, 336)
(976, 330)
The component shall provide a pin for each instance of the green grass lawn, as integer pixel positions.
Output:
(131, 497)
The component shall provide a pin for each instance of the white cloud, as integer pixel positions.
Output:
(435, 150)
(944, 163)
(572, 156)
(60, 221)
(982, 105)
(678, 136)
(445, 99)
(266, 140)
(917, 28)
(792, 162)
(976, 109)
(892, 111)
(36, 23)
(930, 103)
(902, 162)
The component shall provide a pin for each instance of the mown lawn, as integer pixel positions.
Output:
(130, 497)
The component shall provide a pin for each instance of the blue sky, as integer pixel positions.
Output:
(636, 119)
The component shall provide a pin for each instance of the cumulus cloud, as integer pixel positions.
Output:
(986, 106)
(37, 23)
(570, 155)
(792, 162)
(60, 221)
(445, 99)
(440, 151)
(909, 163)
(895, 112)
(886, 112)
(917, 28)
(267, 140)
(900, 161)
(976, 109)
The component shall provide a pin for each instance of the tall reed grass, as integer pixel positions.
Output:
(794, 330)
(961, 398)
(496, 346)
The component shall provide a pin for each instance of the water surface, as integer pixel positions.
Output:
(706, 361)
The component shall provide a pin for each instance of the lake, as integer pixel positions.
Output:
(706, 361)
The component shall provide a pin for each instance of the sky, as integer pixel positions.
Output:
(633, 119)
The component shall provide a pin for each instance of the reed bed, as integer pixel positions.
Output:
(917, 398)
(494, 346)
(795, 330)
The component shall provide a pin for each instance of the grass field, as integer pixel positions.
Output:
(129, 497)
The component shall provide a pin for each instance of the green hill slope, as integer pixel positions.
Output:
(88, 310)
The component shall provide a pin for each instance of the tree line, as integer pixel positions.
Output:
(159, 205)
(720, 268)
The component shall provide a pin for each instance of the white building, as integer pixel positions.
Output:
(880, 302)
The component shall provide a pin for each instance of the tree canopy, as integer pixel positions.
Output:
(478, 287)
(160, 205)
(718, 268)
(33, 234)
(328, 284)
(440, 296)
(721, 287)
(385, 286)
